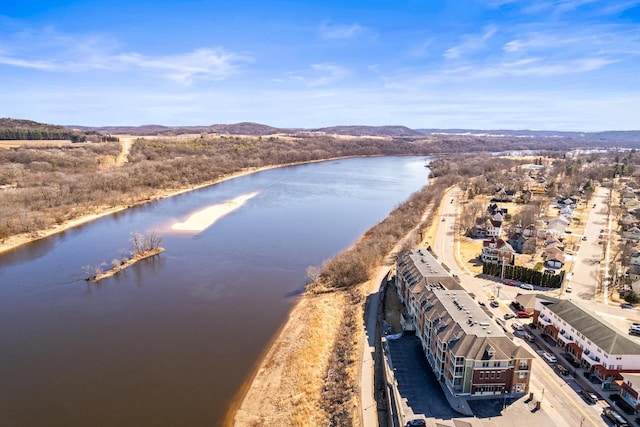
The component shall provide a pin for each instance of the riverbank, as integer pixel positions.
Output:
(22, 239)
(310, 374)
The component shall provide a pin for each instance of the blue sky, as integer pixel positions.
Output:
(482, 64)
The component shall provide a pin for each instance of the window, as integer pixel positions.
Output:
(485, 364)
(496, 364)
(618, 367)
(493, 374)
(481, 376)
(522, 375)
(523, 364)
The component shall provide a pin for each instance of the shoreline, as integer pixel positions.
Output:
(18, 240)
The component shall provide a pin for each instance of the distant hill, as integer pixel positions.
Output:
(592, 137)
(245, 128)
(396, 131)
(16, 129)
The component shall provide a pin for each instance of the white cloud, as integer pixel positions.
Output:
(215, 64)
(470, 43)
(340, 32)
(48, 50)
(321, 74)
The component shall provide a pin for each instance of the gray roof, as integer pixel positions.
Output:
(594, 328)
(462, 309)
(469, 330)
(419, 265)
(634, 379)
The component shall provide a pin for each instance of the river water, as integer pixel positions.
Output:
(170, 340)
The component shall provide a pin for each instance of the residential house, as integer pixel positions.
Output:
(633, 271)
(553, 257)
(496, 251)
(517, 241)
(592, 342)
(486, 227)
(557, 226)
(493, 209)
(627, 221)
(627, 194)
(467, 351)
(632, 234)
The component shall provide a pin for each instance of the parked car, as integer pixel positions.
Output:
(494, 304)
(517, 326)
(569, 289)
(480, 303)
(510, 283)
(527, 336)
(523, 314)
(584, 238)
(526, 286)
(549, 357)
(589, 396)
(615, 417)
(561, 370)
(625, 305)
(509, 316)
(416, 423)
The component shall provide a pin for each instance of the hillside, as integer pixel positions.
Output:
(394, 131)
(245, 128)
(16, 129)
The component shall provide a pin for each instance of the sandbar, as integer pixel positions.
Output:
(205, 218)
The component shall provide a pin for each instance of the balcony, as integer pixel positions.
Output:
(566, 338)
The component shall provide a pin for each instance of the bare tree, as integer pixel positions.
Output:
(137, 242)
(470, 212)
(152, 240)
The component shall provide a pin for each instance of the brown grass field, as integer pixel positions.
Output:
(13, 143)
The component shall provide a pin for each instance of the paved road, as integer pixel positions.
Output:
(589, 256)
(562, 404)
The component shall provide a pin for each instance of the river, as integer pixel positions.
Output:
(170, 340)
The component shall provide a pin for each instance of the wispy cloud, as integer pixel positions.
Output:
(340, 32)
(48, 50)
(470, 43)
(321, 74)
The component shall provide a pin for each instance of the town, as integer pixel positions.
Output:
(521, 315)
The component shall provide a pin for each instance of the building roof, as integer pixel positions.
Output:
(420, 266)
(468, 329)
(593, 328)
(634, 379)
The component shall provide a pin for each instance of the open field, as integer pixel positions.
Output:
(12, 143)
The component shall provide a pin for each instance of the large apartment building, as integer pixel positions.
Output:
(593, 343)
(465, 348)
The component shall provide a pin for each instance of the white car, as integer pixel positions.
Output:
(569, 289)
(526, 286)
(550, 357)
(517, 326)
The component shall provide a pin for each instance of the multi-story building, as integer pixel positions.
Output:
(593, 343)
(466, 350)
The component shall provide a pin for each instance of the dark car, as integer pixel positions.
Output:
(589, 396)
(561, 370)
(494, 304)
(624, 305)
(509, 316)
(416, 423)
